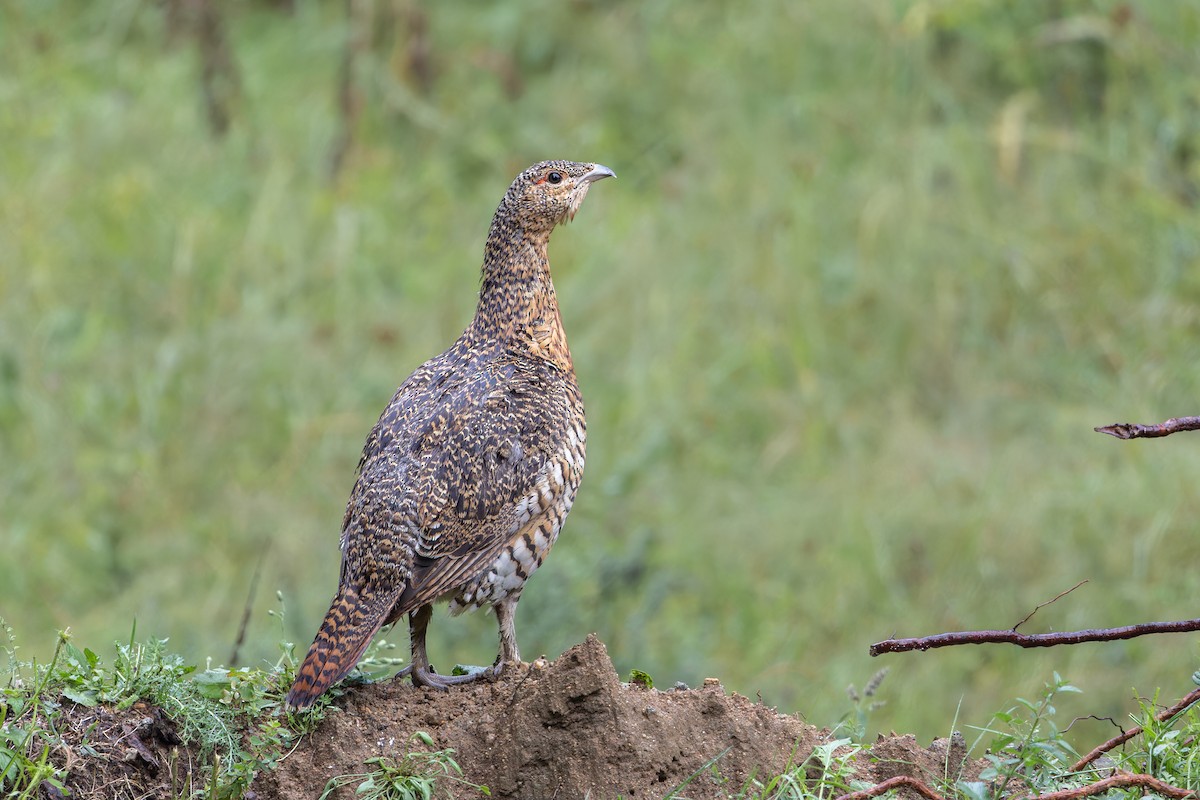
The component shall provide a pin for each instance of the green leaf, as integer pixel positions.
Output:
(16, 704)
(76, 657)
(9, 766)
(213, 683)
(974, 790)
(84, 697)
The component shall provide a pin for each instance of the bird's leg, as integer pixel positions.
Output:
(420, 670)
(505, 619)
(418, 623)
(508, 655)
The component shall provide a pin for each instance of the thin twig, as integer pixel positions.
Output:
(241, 634)
(1040, 606)
(1034, 639)
(1132, 430)
(1093, 718)
(1121, 739)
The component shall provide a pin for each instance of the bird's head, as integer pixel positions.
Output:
(549, 194)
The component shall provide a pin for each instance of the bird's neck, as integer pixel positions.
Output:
(517, 304)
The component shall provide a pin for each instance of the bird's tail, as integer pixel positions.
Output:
(354, 617)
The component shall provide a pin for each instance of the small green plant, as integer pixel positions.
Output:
(827, 772)
(854, 722)
(1168, 748)
(27, 726)
(711, 764)
(640, 679)
(230, 717)
(375, 665)
(419, 775)
(1167, 751)
(1028, 748)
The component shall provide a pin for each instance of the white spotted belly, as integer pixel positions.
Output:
(537, 519)
(507, 574)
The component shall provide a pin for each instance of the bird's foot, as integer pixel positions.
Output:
(468, 672)
(427, 676)
(443, 682)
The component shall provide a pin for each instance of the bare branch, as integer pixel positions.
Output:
(1120, 780)
(1033, 639)
(1121, 739)
(893, 783)
(1132, 430)
(1040, 606)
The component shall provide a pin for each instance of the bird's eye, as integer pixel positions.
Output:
(554, 177)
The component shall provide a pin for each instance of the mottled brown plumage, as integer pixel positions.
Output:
(467, 477)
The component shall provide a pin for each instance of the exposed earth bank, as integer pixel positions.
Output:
(564, 729)
(570, 729)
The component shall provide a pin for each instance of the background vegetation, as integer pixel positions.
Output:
(870, 274)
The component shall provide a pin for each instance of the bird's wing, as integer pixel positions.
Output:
(450, 480)
(489, 472)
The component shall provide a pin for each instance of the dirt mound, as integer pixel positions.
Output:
(570, 729)
(562, 729)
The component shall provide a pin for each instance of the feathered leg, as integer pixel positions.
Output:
(506, 611)
(423, 673)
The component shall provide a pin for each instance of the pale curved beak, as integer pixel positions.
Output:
(598, 172)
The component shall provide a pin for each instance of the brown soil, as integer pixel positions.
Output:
(563, 729)
(119, 753)
(570, 729)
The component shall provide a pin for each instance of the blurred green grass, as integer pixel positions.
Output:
(869, 276)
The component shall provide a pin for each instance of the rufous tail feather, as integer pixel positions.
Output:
(351, 623)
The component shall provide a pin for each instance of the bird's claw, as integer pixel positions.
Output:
(469, 672)
(428, 676)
